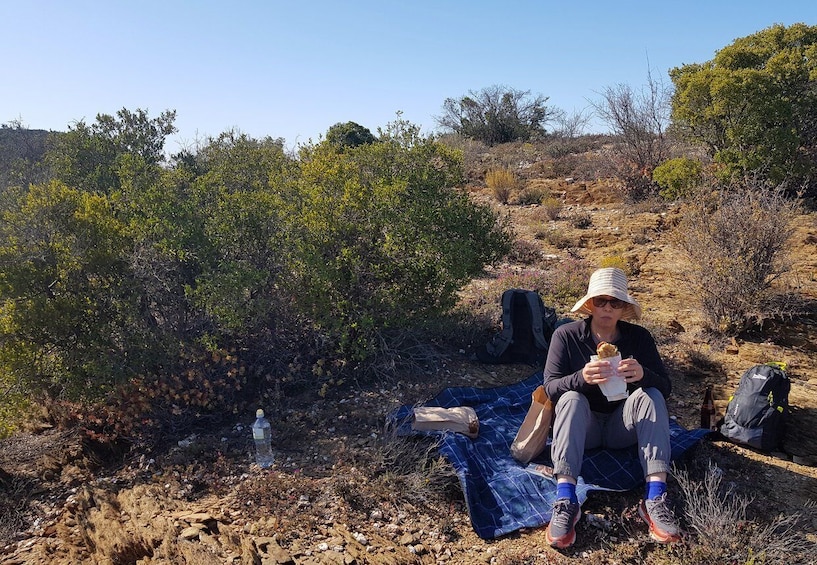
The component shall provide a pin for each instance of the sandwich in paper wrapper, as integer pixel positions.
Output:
(615, 388)
(460, 419)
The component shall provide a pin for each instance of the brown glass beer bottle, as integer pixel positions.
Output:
(709, 419)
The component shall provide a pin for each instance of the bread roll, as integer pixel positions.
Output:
(605, 350)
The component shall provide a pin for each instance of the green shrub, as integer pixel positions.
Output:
(349, 134)
(115, 293)
(616, 261)
(531, 195)
(383, 237)
(677, 177)
(69, 316)
(496, 114)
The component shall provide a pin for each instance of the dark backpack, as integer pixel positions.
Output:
(757, 413)
(527, 325)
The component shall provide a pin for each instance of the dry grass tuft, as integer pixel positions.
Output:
(722, 533)
(501, 183)
(410, 470)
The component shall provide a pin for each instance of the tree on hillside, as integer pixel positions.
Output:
(112, 150)
(349, 134)
(496, 114)
(639, 119)
(21, 154)
(754, 106)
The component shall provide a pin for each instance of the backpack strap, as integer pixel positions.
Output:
(503, 339)
(537, 311)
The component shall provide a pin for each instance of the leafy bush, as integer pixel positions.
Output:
(349, 134)
(69, 314)
(383, 237)
(496, 114)
(677, 177)
(531, 195)
(119, 286)
(736, 242)
(754, 105)
(100, 156)
(616, 261)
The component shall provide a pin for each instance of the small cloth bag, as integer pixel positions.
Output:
(532, 436)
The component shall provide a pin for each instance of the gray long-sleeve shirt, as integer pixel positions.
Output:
(571, 347)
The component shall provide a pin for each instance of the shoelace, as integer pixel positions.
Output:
(561, 514)
(661, 511)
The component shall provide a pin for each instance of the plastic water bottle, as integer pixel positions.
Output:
(262, 436)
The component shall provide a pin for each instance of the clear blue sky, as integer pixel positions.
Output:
(293, 69)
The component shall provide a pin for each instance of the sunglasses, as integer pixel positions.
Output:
(601, 302)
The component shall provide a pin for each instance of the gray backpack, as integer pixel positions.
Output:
(757, 413)
(527, 325)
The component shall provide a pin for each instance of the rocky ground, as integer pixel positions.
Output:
(343, 490)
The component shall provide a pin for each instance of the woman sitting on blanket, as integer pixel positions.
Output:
(585, 418)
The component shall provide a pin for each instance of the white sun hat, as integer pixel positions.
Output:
(609, 281)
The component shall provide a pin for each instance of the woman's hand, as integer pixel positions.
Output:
(631, 370)
(596, 372)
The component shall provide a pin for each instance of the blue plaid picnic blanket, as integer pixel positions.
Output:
(503, 495)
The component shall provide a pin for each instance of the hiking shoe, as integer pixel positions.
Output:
(661, 519)
(561, 531)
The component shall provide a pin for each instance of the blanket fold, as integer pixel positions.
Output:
(502, 495)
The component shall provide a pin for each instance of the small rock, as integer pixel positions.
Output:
(598, 521)
(199, 517)
(190, 533)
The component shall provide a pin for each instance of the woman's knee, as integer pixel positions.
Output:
(649, 403)
(572, 397)
(572, 403)
(650, 394)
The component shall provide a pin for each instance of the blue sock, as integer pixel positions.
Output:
(566, 490)
(655, 489)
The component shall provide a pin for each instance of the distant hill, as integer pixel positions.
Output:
(21, 155)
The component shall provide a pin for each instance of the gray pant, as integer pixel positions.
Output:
(641, 419)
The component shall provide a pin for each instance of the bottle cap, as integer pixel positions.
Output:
(259, 413)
